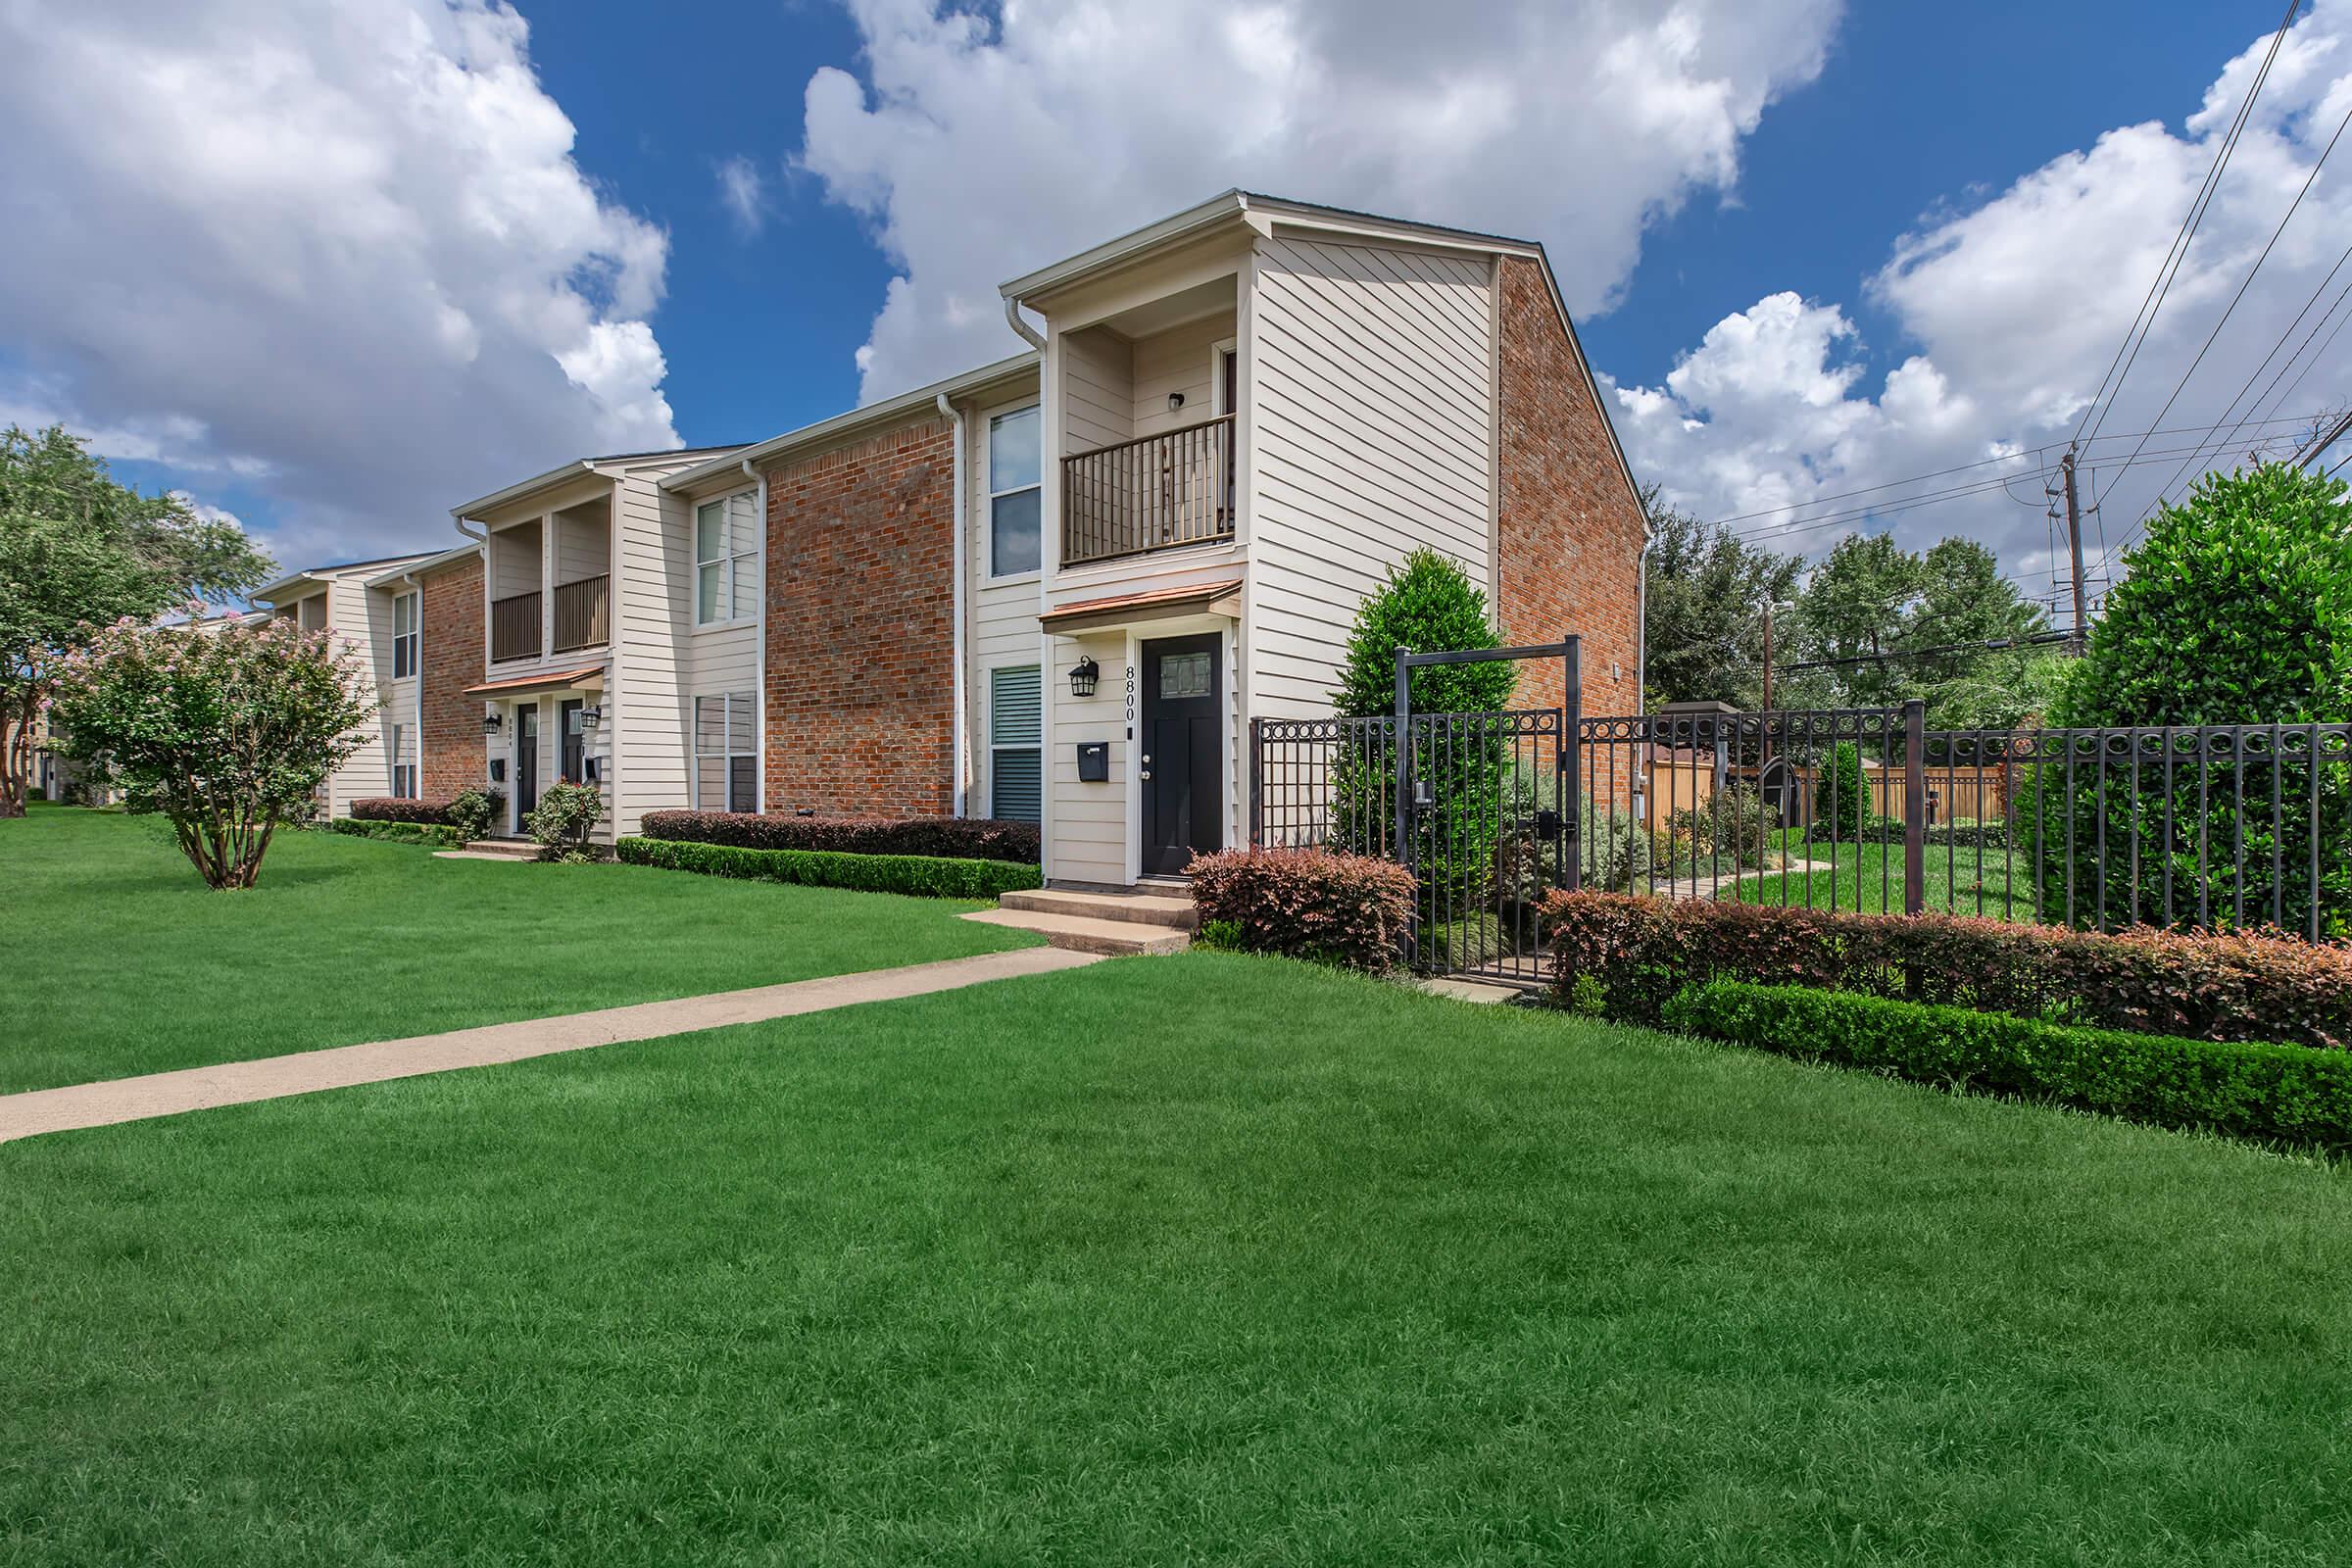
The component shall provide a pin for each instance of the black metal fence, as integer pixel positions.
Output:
(2216, 827)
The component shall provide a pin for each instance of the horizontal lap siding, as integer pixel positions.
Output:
(653, 614)
(363, 621)
(1373, 423)
(1097, 390)
(1003, 617)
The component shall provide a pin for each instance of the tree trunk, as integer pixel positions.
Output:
(16, 757)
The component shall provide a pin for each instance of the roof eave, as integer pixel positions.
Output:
(840, 424)
(576, 468)
(1218, 209)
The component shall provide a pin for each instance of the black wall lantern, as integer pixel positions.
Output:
(491, 723)
(1083, 676)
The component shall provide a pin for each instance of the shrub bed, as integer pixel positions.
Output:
(399, 809)
(433, 833)
(948, 837)
(2205, 985)
(923, 875)
(1348, 909)
(2291, 1093)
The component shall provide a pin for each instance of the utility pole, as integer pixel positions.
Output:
(2074, 545)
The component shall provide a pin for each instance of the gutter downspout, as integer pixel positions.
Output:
(955, 658)
(458, 524)
(760, 638)
(1029, 335)
(1642, 667)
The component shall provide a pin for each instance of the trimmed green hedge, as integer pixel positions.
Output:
(2296, 1094)
(447, 838)
(924, 876)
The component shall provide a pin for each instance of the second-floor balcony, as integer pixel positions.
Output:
(1157, 492)
(582, 619)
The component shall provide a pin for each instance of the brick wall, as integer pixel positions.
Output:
(451, 661)
(1570, 553)
(861, 660)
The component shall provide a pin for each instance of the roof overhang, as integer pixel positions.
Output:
(587, 677)
(417, 569)
(574, 469)
(872, 417)
(285, 589)
(1221, 598)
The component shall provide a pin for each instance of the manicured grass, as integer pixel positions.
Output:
(1869, 878)
(1205, 1259)
(119, 960)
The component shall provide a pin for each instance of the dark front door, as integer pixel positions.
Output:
(1183, 807)
(526, 762)
(572, 737)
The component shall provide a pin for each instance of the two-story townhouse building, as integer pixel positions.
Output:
(1058, 587)
(362, 603)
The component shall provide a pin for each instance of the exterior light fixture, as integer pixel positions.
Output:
(1175, 401)
(1083, 676)
(590, 717)
(492, 723)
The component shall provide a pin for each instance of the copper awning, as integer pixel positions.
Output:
(1221, 598)
(587, 676)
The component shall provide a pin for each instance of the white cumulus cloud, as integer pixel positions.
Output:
(340, 251)
(979, 147)
(2009, 312)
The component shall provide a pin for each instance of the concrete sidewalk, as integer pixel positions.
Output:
(168, 1094)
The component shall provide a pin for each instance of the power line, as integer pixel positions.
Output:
(1991, 646)
(2245, 283)
(2143, 320)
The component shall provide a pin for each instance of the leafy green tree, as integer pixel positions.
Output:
(228, 733)
(1855, 608)
(2236, 609)
(1429, 604)
(1703, 629)
(77, 552)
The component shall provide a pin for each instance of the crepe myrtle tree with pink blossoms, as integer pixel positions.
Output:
(226, 734)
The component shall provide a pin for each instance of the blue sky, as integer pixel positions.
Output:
(334, 270)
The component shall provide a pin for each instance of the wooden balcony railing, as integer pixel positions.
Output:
(580, 613)
(515, 627)
(1153, 493)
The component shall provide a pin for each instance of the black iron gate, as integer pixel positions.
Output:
(1483, 807)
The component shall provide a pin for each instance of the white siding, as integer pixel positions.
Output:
(1001, 614)
(1088, 824)
(1373, 423)
(1097, 390)
(517, 565)
(658, 655)
(584, 543)
(363, 621)
(1177, 361)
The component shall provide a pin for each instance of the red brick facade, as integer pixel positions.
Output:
(1571, 528)
(860, 658)
(451, 660)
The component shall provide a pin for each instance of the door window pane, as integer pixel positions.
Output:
(1184, 675)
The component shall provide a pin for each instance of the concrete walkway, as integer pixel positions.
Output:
(168, 1094)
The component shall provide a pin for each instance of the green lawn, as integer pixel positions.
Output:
(119, 960)
(1869, 877)
(1208, 1260)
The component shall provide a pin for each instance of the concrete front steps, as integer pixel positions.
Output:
(1146, 920)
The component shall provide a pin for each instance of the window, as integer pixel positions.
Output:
(726, 572)
(310, 613)
(726, 752)
(1015, 782)
(404, 770)
(1013, 492)
(404, 636)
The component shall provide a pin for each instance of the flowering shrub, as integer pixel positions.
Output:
(471, 810)
(1348, 909)
(226, 734)
(567, 813)
(2204, 985)
(959, 838)
(2291, 1093)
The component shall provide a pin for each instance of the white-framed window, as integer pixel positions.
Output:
(310, 613)
(1016, 786)
(726, 567)
(403, 769)
(726, 753)
(1014, 494)
(404, 636)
